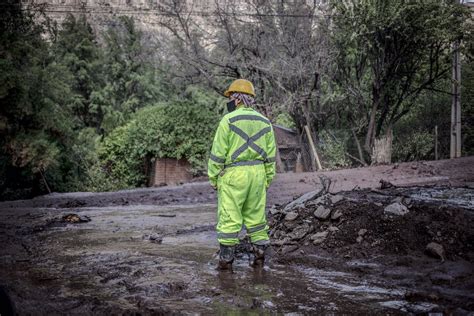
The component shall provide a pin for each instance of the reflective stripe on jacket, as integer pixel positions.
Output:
(244, 137)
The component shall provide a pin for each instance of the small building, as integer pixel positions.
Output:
(290, 152)
(169, 171)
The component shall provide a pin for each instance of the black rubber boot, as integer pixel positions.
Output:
(226, 257)
(259, 255)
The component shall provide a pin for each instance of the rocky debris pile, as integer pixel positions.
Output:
(361, 223)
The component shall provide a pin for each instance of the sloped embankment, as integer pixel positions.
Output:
(362, 223)
(418, 240)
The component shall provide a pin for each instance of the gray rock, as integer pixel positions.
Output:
(359, 239)
(362, 232)
(385, 184)
(289, 248)
(299, 232)
(336, 215)
(280, 242)
(333, 229)
(301, 200)
(396, 209)
(319, 200)
(290, 225)
(318, 238)
(291, 216)
(398, 199)
(322, 212)
(436, 250)
(336, 198)
(274, 210)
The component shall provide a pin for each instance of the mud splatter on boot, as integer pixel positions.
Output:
(259, 255)
(226, 257)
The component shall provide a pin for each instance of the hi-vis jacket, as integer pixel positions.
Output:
(244, 138)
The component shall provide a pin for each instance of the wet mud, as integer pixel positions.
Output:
(109, 265)
(154, 251)
(160, 260)
(423, 256)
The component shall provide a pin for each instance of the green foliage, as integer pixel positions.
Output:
(182, 128)
(334, 150)
(417, 146)
(75, 46)
(117, 156)
(89, 114)
(35, 105)
(389, 52)
(467, 107)
(129, 79)
(57, 95)
(92, 175)
(284, 119)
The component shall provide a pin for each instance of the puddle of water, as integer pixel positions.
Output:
(404, 306)
(347, 283)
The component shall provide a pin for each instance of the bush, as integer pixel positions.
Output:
(416, 146)
(178, 129)
(334, 150)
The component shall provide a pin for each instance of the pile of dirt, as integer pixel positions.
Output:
(367, 223)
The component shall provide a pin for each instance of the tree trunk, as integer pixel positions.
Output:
(299, 163)
(280, 168)
(45, 182)
(315, 156)
(370, 130)
(376, 95)
(382, 149)
(359, 148)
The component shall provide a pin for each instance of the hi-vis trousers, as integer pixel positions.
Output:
(241, 200)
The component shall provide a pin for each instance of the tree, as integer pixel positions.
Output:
(281, 47)
(35, 102)
(75, 46)
(129, 79)
(388, 53)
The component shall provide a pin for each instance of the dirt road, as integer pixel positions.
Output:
(152, 251)
(284, 188)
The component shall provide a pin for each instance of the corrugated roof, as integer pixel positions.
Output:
(285, 128)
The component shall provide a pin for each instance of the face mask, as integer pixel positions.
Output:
(231, 106)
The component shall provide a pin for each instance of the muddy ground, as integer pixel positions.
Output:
(153, 251)
(417, 240)
(285, 187)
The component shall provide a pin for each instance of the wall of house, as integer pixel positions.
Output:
(167, 171)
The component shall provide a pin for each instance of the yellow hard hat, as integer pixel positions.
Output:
(240, 85)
